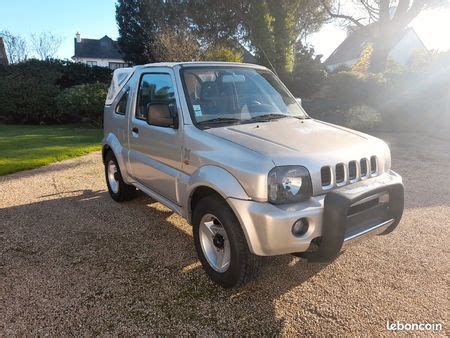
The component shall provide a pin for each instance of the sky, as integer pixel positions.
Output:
(96, 18)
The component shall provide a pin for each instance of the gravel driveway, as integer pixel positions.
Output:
(75, 262)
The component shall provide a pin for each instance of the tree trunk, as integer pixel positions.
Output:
(384, 39)
(379, 58)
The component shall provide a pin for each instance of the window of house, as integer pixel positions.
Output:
(121, 107)
(91, 63)
(116, 65)
(154, 88)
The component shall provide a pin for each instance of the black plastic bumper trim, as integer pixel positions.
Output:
(335, 218)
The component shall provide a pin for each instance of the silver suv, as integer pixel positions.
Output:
(226, 146)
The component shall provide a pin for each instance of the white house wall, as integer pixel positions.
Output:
(100, 62)
(405, 48)
(348, 64)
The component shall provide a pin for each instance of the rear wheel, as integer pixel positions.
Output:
(221, 245)
(118, 189)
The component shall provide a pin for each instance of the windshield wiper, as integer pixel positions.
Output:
(267, 117)
(219, 120)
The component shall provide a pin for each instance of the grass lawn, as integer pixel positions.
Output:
(27, 147)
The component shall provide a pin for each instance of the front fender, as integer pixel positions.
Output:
(217, 179)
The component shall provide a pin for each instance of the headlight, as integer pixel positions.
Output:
(289, 184)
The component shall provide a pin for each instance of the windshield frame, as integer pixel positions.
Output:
(202, 126)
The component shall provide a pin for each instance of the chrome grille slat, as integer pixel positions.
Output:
(340, 173)
(364, 167)
(373, 165)
(325, 174)
(352, 171)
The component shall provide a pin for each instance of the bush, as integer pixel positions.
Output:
(28, 90)
(345, 89)
(362, 118)
(413, 98)
(348, 89)
(74, 74)
(83, 103)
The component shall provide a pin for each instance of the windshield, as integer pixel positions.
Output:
(220, 96)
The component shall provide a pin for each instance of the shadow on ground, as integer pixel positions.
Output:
(127, 268)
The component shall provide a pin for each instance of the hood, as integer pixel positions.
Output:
(296, 139)
(310, 143)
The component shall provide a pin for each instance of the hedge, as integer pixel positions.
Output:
(29, 90)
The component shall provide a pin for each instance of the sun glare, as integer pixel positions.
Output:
(433, 27)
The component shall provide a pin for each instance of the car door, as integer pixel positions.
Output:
(155, 151)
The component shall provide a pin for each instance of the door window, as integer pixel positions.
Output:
(154, 88)
(121, 107)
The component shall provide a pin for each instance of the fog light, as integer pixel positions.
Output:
(300, 227)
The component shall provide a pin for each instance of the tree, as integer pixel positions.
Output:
(141, 22)
(384, 21)
(16, 47)
(276, 25)
(171, 45)
(362, 66)
(222, 52)
(308, 75)
(45, 44)
(270, 27)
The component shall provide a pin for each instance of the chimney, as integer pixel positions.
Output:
(78, 37)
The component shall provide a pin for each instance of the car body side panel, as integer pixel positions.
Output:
(155, 152)
(116, 131)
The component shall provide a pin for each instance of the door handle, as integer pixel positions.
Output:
(135, 130)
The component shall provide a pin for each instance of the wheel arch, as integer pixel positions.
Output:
(111, 143)
(212, 180)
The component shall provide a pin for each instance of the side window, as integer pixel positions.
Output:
(121, 107)
(154, 88)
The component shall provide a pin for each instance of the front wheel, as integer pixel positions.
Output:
(221, 245)
(118, 189)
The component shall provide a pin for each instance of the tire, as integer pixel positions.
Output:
(243, 266)
(118, 189)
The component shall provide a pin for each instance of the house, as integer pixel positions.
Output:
(350, 50)
(248, 57)
(103, 52)
(3, 57)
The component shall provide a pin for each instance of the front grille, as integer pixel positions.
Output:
(348, 172)
(340, 173)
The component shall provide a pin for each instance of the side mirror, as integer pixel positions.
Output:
(299, 101)
(162, 115)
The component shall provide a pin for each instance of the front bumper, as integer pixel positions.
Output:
(336, 219)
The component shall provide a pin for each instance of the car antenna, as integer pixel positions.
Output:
(270, 63)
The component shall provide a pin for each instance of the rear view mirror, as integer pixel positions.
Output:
(162, 115)
(233, 78)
